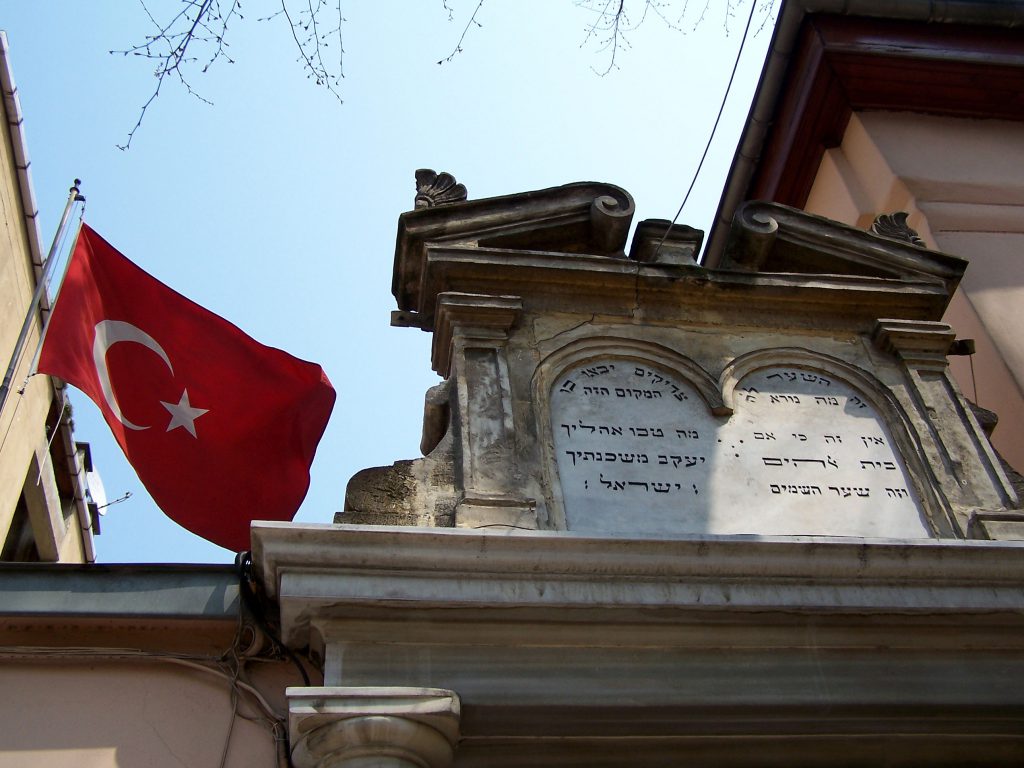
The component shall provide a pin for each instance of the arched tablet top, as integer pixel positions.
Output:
(814, 446)
(877, 394)
(598, 349)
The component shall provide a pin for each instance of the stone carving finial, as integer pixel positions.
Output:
(895, 225)
(433, 189)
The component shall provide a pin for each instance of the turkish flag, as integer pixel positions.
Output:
(220, 428)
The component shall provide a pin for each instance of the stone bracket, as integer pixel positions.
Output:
(485, 319)
(920, 344)
(392, 727)
(1006, 525)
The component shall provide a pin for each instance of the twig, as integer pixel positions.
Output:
(458, 46)
(202, 23)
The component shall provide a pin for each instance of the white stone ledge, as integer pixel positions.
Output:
(327, 571)
(287, 546)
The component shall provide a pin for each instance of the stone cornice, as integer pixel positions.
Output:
(321, 570)
(920, 345)
(677, 292)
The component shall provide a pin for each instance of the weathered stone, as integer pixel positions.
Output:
(682, 644)
(519, 305)
(412, 492)
(657, 241)
(433, 189)
(895, 225)
(337, 727)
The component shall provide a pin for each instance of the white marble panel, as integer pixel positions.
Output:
(638, 452)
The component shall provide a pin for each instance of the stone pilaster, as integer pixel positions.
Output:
(470, 337)
(334, 727)
(959, 450)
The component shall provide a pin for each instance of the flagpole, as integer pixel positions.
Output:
(74, 196)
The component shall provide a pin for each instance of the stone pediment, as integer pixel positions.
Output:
(585, 217)
(571, 240)
(773, 238)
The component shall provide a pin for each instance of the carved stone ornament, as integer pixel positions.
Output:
(433, 189)
(895, 225)
(389, 727)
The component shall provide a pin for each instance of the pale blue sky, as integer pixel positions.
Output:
(277, 207)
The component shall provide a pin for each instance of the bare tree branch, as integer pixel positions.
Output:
(472, 20)
(192, 23)
(311, 42)
(614, 21)
(198, 32)
(196, 37)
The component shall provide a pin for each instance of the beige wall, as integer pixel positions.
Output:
(962, 181)
(101, 714)
(23, 418)
(25, 463)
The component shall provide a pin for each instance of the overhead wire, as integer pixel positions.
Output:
(714, 128)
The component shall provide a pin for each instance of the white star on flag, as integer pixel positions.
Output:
(183, 414)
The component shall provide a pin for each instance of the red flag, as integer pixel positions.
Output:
(220, 428)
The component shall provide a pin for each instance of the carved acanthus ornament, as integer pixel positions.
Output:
(434, 189)
(895, 225)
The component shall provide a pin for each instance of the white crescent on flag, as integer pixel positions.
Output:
(110, 332)
(107, 334)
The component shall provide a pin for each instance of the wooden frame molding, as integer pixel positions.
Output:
(841, 65)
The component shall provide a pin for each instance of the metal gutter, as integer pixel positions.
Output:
(43, 590)
(996, 13)
(15, 123)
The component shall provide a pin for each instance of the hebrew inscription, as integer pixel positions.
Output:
(638, 452)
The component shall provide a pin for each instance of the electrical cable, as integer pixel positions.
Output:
(243, 562)
(974, 381)
(714, 128)
(231, 725)
(199, 663)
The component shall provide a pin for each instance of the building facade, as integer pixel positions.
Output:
(666, 513)
(735, 512)
(866, 110)
(44, 503)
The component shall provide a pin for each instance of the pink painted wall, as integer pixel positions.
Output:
(80, 714)
(962, 181)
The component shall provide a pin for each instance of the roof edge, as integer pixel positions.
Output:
(994, 13)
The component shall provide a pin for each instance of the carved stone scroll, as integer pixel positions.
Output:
(388, 727)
